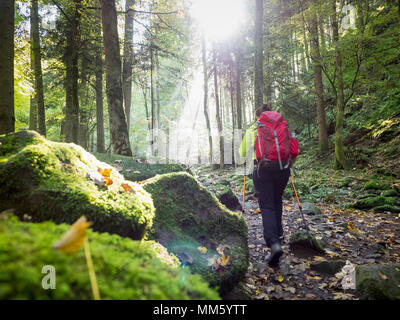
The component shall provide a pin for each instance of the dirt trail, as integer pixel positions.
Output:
(360, 237)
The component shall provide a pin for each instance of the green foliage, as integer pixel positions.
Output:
(125, 269)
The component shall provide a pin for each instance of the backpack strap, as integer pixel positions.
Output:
(278, 150)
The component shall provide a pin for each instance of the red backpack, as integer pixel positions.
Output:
(273, 138)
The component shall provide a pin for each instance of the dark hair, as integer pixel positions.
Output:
(265, 107)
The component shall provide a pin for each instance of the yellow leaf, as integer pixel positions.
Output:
(74, 239)
(202, 249)
(350, 226)
(223, 261)
(383, 277)
(280, 279)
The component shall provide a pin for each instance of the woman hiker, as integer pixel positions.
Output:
(276, 150)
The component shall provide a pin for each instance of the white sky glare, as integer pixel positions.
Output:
(220, 19)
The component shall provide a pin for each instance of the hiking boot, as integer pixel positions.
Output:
(274, 256)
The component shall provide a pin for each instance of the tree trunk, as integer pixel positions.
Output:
(232, 89)
(218, 115)
(99, 90)
(157, 87)
(238, 93)
(71, 78)
(152, 99)
(340, 159)
(205, 103)
(33, 103)
(307, 50)
(7, 118)
(118, 126)
(128, 60)
(316, 57)
(258, 56)
(37, 67)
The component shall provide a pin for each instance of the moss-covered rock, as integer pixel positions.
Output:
(311, 209)
(125, 269)
(378, 281)
(373, 184)
(187, 217)
(138, 171)
(227, 197)
(46, 180)
(301, 239)
(387, 208)
(368, 203)
(390, 193)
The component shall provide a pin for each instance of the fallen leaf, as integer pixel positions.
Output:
(108, 181)
(73, 240)
(383, 276)
(202, 249)
(223, 261)
(280, 279)
(127, 188)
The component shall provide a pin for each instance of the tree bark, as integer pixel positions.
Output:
(237, 73)
(340, 159)
(128, 60)
(118, 126)
(152, 98)
(71, 77)
(100, 145)
(205, 101)
(32, 103)
(316, 57)
(37, 67)
(218, 115)
(258, 56)
(7, 118)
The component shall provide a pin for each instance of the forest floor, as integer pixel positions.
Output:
(360, 237)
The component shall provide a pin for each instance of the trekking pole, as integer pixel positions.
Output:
(300, 208)
(244, 190)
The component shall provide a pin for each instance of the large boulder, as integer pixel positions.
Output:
(44, 180)
(378, 281)
(191, 223)
(125, 269)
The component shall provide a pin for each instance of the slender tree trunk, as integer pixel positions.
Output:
(33, 103)
(157, 82)
(7, 118)
(118, 126)
(153, 116)
(307, 50)
(205, 103)
(99, 89)
(37, 67)
(71, 78)
(146, 109)
(316, 56)
(258, 57)
(218, 114)
(340, 159)
(238, 93)
(232, 90)
(128, 60)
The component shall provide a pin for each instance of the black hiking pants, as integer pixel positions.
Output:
(270, 182)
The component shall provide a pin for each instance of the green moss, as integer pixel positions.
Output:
(48, 181)
(390, 193)
(188, 216)
(370, 285)
(134, 171)
(125, 269)
(374, 185)
(372, 202)
(387, 208)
